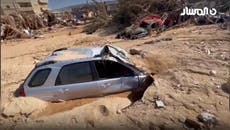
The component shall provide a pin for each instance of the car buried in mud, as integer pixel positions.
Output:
(85, 72)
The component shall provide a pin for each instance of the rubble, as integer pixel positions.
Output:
(208, 119)
(193, 124)
(160, 104)
(145, 26)
(17, 25)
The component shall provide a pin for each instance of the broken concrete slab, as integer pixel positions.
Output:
(160, 104)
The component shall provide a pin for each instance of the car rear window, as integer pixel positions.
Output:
(39, 78)
(74, 73)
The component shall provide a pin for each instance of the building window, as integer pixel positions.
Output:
(25, 4)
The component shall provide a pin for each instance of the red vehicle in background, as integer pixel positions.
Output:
(145, 26)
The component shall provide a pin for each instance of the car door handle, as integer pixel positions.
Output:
(63, 90)
(66, 89)
(105, 85)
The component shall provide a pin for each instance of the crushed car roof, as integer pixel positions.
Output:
(73, 54)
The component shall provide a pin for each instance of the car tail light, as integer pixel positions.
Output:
(22, 92)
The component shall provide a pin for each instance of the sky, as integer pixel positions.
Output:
(56, 4)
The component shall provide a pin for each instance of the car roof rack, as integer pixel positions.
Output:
(45, 63)
(60, 49)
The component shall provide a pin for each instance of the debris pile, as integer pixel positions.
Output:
(155, 17)
(18, 25)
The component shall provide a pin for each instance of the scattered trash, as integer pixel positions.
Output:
(160, 104)
(208, 119)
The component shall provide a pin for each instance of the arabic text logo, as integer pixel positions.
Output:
(199, 12)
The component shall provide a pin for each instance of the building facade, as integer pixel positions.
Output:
(23, 6)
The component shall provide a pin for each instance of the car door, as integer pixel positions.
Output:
(113, 77)
(76, 81)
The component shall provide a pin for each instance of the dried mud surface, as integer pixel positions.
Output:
(191, 74)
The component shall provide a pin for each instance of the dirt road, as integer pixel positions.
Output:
(183, 61)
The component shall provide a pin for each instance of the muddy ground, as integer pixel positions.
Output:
(190, 67)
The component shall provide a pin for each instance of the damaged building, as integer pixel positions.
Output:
(23, 6)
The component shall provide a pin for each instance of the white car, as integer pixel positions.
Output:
(77, 73)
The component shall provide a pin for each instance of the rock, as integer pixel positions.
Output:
(36, 61)
(186, 43)
(221, 103)
(178, 85)
(160, 104)
(212, 73)
(196, 82)
(39, 121)
(166, 39)
(193, 124)
(218, 86)
(119, 111)
(207, 51)
(135, 52)
(182, 119)
(208, 119)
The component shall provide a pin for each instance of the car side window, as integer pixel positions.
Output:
(39, 78)
(110, 69)
(74, 73)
